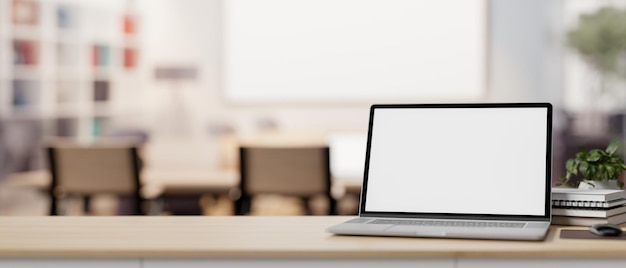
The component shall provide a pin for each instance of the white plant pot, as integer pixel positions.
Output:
(611, 184)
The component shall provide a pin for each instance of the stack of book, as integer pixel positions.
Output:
(588, 207)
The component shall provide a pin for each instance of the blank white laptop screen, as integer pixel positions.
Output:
(458, 160)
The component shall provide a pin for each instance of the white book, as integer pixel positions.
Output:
(594, 213)
(588, 204)
(586, 194)
(588, 221)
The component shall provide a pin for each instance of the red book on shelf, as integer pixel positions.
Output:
(129, 24)
(95, 55)
(130, 57)
(30, 53)
(25, 52)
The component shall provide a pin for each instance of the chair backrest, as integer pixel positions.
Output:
(94, 168)
(296, 171)
(20, 145)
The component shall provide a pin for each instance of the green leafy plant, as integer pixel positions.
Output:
(596, 165)
(600, 38)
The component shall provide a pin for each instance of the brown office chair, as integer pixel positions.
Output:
(294, 171)
(85, 170)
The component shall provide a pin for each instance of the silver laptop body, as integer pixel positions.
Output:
(456, 170)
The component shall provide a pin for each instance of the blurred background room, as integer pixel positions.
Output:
(186, 85)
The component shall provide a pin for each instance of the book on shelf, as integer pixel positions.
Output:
(25, 12)
(588, 221)
(100, 90)
(66, 127)
(130, 58)
(100, 55)
(588, 212)
(129, 24)
(65, 17)
(25, 52)
(25, 93)
(587, 194)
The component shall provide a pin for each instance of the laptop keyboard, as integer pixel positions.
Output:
(477, 224)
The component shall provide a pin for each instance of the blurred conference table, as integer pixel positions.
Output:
(181, 187)
(173, 175)
(178, 181)
(156, 182)
(174, 168)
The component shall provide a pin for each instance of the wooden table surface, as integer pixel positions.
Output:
(250, 237)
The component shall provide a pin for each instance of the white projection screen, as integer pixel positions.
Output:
(320, 51)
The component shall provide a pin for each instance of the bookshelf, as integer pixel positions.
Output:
(68, 63)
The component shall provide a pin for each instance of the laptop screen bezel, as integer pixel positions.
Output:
(548, 176)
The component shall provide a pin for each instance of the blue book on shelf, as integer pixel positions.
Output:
(103, 54)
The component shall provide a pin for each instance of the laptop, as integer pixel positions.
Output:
(478, 171)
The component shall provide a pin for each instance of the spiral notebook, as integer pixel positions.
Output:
(588, 204)
(438, 170)
(587, 198)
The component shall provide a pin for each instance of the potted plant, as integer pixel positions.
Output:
(596, 166)
(600, 38)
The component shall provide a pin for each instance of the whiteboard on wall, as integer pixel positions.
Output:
(319, 51)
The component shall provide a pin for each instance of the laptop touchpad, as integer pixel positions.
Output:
(421, 230)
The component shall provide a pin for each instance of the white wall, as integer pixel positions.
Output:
(524, 61)
(525, 50)
(187, 32)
